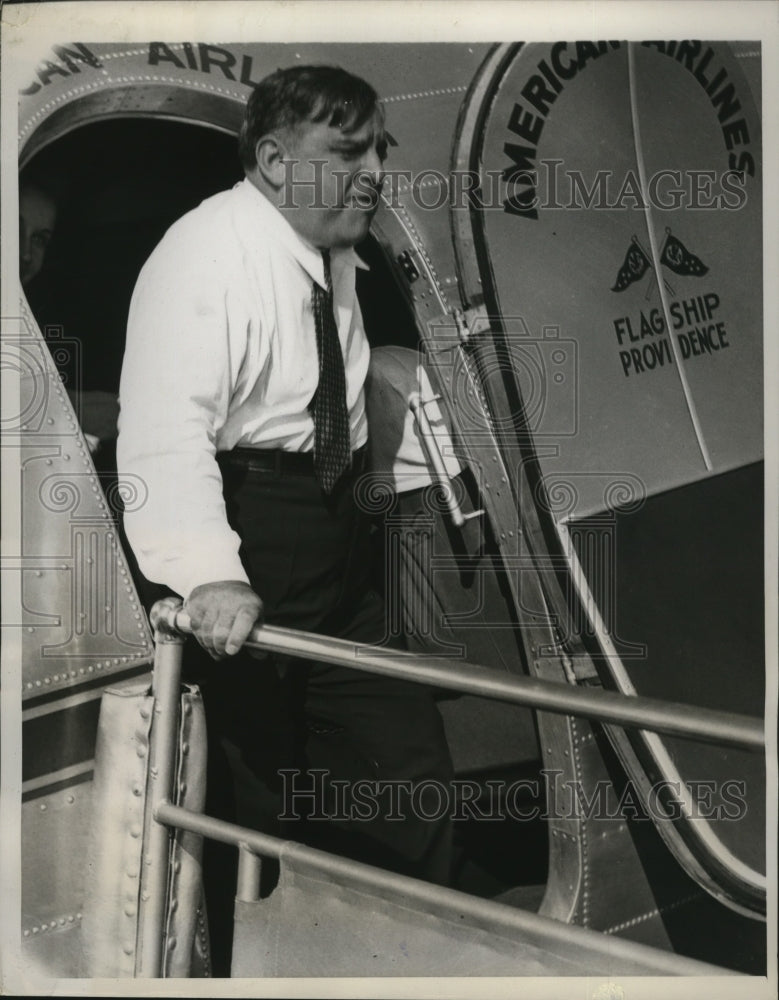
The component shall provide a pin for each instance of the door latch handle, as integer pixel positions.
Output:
(435, 458)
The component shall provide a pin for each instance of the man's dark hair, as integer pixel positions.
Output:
(304, 94)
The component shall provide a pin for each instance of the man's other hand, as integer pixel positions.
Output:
(222, 615)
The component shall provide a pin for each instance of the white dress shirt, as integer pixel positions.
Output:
(221, 352)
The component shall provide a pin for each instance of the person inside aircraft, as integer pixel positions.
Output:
(242, 409)
(451, 588)
(97, 409)
(37, 218)
(449, 581)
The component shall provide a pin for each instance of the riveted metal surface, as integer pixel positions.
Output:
(616, 877)
(59, 739)
(432, 88)
(77, 593)
(55, 953)
(475, 434)
(538, 264)
(141, 78)
(586, 846)
(115, 843)
(430, 71)
(130, 100)
(53, 832)
(80, 615)
(315, 925)
(185, 889)
(78, 597)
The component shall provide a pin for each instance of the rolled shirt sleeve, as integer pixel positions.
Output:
(184, 343)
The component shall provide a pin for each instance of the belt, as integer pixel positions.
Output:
(282, 463)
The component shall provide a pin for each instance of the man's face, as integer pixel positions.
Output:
(37, 215)
(332, 189)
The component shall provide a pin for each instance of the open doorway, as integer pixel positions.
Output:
(118, 185)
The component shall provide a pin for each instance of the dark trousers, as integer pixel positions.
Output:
(307, 557)
(451, 586)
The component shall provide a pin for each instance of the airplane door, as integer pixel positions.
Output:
(614, 246)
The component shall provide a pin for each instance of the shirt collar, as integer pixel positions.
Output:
(307, 255)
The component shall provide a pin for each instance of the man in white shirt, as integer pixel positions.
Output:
(249, 454)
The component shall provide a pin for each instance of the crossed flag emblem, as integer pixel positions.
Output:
(674, 255)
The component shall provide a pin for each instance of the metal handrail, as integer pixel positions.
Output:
(670, 718)
(154, 874)
(171, 623)
(253, 845)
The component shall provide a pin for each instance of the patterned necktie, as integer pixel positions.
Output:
(332, 444)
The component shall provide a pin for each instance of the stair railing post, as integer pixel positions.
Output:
(163, 739)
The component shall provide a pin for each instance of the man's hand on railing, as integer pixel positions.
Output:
(222, 615)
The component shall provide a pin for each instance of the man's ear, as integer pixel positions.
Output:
(270, 160)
